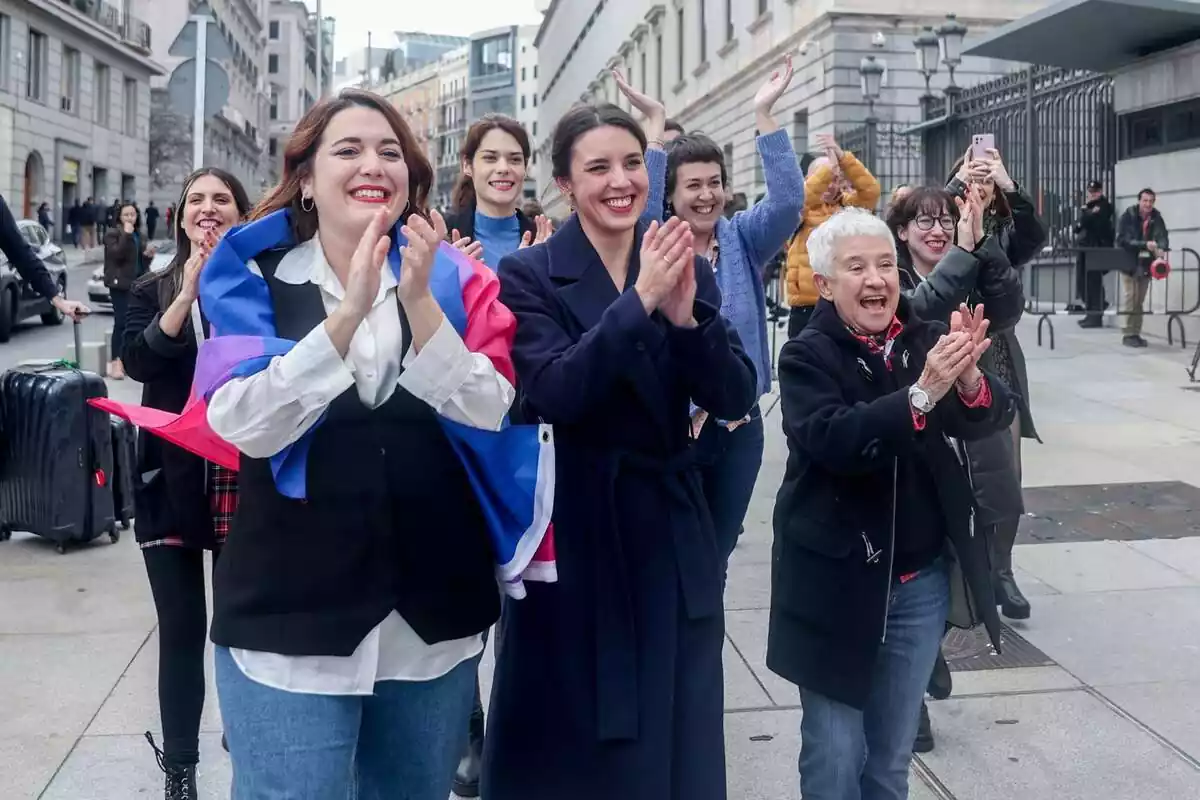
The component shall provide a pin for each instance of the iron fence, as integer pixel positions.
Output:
(893, 156)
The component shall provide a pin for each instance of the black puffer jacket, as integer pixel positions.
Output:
(984, 276)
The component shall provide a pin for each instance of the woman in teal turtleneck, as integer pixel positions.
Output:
(487, 221)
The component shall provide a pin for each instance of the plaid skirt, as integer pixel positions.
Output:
(222, 503)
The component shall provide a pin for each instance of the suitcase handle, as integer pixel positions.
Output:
(77, 329)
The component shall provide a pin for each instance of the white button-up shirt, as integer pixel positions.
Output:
(265, 412)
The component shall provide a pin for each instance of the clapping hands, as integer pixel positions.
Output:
(666, 280)
(955, 357)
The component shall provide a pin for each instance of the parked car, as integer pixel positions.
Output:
(98, 296)
(18, 301)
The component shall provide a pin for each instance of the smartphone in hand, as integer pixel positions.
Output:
(981, 143)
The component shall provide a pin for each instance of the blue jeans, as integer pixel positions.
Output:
(401, 743)
(729, 464)
(848, 754)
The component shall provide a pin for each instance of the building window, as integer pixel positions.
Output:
(522, 102)
(72, 61)
(535, 72)
(522, 68)
(131, 107)
(273, 32)
(729, 161)
(5, 56)
(273, 146)
(273, 64)
(535, 124)
(1164, 129)
(729, 35)
(658, 45)
(630, 76)
(643, 60)
(762, 7)
(800, 131)
(35, 78)
(679, 20)
(102, 82)
(274, 109)
(702, 55)
(492, 56)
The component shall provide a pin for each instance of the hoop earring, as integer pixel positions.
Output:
(307, 209)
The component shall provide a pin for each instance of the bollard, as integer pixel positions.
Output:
(93, 356)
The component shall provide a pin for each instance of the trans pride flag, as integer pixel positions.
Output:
(511, 470)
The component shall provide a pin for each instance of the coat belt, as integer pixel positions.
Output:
(699, 576)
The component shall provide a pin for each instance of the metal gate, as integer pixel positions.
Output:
(891, 154)
(1055, 129)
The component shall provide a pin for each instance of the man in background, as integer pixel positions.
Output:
(1094, 228)
(1142, 232)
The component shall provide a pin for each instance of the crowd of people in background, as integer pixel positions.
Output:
(637, 332)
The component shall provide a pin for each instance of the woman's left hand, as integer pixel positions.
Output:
(416, 258)
(999, 172)
(679, 305)
(654, 111)
(770, 92)
(544, 229)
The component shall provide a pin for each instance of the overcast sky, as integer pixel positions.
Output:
(453, 17)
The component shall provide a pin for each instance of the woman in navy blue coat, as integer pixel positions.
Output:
(608, 683)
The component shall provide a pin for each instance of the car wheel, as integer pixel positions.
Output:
(8, 313)
(54, 316)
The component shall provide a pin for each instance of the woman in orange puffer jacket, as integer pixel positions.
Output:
(834, 181)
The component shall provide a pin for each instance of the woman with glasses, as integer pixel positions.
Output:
(946, 259)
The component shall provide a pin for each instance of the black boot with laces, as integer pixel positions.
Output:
(180, 778)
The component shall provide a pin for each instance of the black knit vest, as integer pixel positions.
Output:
(390, 522)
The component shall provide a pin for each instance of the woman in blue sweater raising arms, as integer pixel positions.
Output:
(695, 183)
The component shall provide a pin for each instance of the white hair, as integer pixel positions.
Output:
(844, 223)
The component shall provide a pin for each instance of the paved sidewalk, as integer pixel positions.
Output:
(1109, 553)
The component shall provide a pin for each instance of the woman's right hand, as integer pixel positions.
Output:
(362, 283)
(190, 289)
(465, 244)
(663, 249)
(654, 111)
(127, 227)
(970, 218)
(953, 353)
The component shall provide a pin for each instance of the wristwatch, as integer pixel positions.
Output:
(918, 398)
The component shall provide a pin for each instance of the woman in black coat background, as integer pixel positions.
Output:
(183, 504)
(1011, 218)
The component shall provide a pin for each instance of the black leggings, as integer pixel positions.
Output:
(177, 582)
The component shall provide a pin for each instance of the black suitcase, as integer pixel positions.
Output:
(56, 457)
(124, 477)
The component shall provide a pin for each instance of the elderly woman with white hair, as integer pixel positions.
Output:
(874, 521)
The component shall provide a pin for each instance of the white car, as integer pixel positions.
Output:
(98, 296)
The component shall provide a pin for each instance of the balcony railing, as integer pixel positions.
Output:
(131, 30)
(136, 33)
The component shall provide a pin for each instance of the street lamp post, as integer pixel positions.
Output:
(870, 72)
(945, 45)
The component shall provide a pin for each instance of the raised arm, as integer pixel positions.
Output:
(767, 226)
(654, 123)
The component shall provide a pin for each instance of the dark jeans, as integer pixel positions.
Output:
(120, 304)
(852, 754)
(177, 582)
(797, 318)
(729, 463)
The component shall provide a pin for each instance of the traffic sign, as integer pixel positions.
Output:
(181, 89)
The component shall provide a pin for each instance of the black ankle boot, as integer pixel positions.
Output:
(924, 741)
(466, 777)
(180, 778)
(1009, 597)
(941, 683)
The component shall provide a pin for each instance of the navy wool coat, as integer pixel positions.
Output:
(608, 683)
